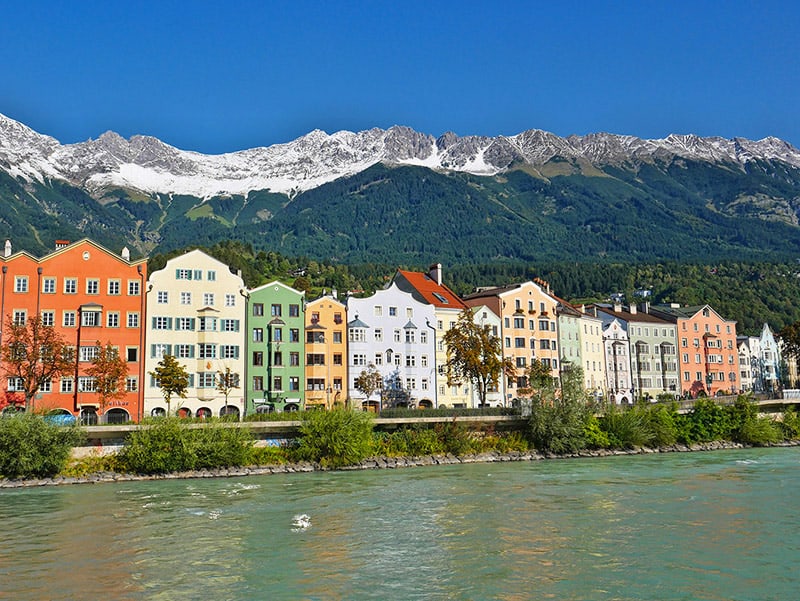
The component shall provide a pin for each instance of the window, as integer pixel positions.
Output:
(162, 323)
(294, 310)
(230, 300)
(411, 361)
(184, 351)
(184, 324)
(15, 385)
(92, 286)
(294, 383)
(519, 322)
(66, 384)
(258, 382)
(112, 319)
(544, 325)
(275, 310)
(519, 342)
(208, 299)
(70, 285)
(315, 384)
(183, 274)
(337, 337)
(337, 359)
(211, 275)
(258, 335)
(377, 311)
(207, 350)
(21, 283)
(315, 359)
(378, 334)
(277, 334)
(423, 337)
(206, 379)
(89, 353)
(49, 286)
(162, 297)
(258, 358)
(294, 359)
(359, 359)
(230, 325)
(410, 337)
(397, 335)
(206, 324)
(357, 335)
(48, 318)
(258, 309)
(337, 318)
(132, 354)
(157, 351)
(133, 320)
(277, 383)
(131, 384)
(397, 359)
(186, 298)
(114, 287)
(87, 384)
(294, 335)
(392, 311)
(378, 358)
(133, 288)
(277, 358)
(90, 319)
(411, 383)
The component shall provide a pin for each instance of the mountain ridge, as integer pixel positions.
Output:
(148, 165)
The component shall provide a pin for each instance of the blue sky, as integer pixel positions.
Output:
(223, 76)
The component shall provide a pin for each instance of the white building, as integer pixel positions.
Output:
(618, 362)
(196, 313)
(395, 333)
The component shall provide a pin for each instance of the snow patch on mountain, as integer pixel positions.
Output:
(146, 164)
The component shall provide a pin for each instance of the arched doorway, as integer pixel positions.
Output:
(291, 407)
(229, 411)
(158, 412)
(371, 406)
(203, 413)
(117, 416)
(265, 408)
(426, 404)
(88, 416)
(184, 412)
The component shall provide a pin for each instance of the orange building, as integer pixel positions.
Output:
(326, 352)
(90, 296)
(708, 356)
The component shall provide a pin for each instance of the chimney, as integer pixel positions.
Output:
(632, 309)
(334, 293)
(435, 271)
(126, 254)
(61, 243)
(646, 307)
(8, 249)
(617, 307)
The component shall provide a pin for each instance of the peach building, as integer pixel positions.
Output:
(326, 352)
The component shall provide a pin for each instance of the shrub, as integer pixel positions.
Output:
(335, 438)
(706, 422)
(790, 424)
(746, 425)
(170, 445)
(32, 447)
(557, 425)
(594, 435)
(456, 438)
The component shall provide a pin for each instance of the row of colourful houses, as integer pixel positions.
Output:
(285, 352)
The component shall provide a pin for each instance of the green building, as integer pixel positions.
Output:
(275, 362)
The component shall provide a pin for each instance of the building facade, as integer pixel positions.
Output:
(326, 353)
(708, 358)
(92, 297)
(196, 313)
(390, 333)
(276, 375)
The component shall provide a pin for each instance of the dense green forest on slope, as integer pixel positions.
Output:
(750, 293)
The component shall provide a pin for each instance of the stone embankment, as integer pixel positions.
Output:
(374, 463)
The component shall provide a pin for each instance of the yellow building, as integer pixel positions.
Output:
(326, 352)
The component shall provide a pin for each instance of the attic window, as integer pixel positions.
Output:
(441, 298)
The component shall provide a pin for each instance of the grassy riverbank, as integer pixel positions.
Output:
(31, 448)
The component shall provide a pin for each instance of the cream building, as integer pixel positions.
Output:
(196, 312)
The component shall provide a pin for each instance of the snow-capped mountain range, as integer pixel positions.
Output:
(146, 164)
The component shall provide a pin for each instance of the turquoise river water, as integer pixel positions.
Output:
(715, 525)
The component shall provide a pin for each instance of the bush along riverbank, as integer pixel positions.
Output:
(35, 452)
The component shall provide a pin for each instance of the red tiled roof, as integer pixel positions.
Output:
(431, 291)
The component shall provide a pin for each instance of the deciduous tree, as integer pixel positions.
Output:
(369, 380)
(34, 354)
(172, 378)
(109, 371)
(475, 355)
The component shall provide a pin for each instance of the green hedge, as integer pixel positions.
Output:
(32, 447)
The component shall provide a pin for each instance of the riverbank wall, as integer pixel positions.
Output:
(376, 463)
